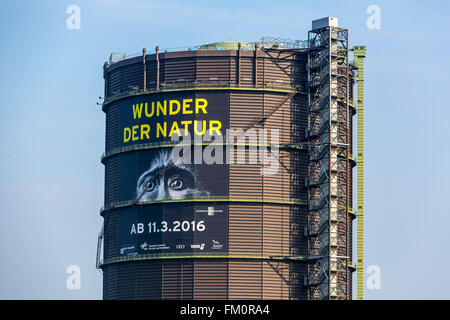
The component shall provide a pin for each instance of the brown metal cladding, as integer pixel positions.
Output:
(112, 128)
(112, 180)
(276, 231)
(245, 229)
(211, 69)
(277, 68)
(210, 280)
(177, 281)
(200, 280)
(245, 180)
(244, 107)
(280, 69)
(179, 70)
(114, 78)
(245, 280)
(281, 118)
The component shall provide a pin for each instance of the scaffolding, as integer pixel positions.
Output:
(328, 178)
(281, 43)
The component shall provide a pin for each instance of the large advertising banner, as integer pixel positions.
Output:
(166, 217)
(161, 117)
(173, 229)
(151, 175)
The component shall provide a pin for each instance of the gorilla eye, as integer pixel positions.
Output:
(150, 185)
(176, 183)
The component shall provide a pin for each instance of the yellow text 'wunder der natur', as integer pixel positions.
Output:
(164, 129)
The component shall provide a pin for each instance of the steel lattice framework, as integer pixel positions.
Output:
(328, 178)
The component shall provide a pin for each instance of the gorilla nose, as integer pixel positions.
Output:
(162, 192)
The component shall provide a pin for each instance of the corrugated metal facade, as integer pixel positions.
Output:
(273, 226)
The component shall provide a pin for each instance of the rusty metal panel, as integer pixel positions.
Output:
(112, 180)
(277, 185)
(276, 281)
(211, 280)
(177, 280)
(277, 71)
(245, 229)
(112, 134)
(276, 221)
(132, 77)
(213, 70)
(245, 180)
(281, 119)
(179, 71)
(149, 284)
(114, 78)
(244, 107)
(110, 244)
(151, 74)
(245, 280)
(247, 71)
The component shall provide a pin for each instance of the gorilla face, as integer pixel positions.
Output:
(167, 180)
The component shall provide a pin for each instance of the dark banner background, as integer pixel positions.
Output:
(170, 222)
(178, 234)
(217, 109)
(209, 180)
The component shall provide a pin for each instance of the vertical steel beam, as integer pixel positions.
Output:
(144, 53)
(348, 176)
(157, 67)
(238, 65)
(329, 46)
(255, 68)
(359, 53)
(105, 76)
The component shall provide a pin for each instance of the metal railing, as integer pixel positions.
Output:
(207, 255)
(263, 43)
(264, 199)
(201, 84)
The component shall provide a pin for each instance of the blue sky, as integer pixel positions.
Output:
(52, 131)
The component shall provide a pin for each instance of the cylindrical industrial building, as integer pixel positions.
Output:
(265, 214)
